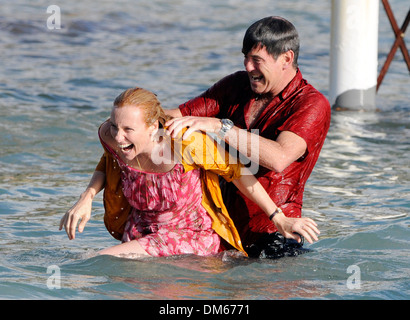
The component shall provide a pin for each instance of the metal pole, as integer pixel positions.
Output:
(353, 54)
(399, 42)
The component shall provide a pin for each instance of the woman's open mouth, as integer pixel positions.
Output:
(126, 147)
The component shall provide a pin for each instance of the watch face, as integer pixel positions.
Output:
(226, 126)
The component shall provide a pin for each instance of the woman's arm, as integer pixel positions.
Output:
(288, 227)
(82, 208)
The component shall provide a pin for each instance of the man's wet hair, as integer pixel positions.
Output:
(276, 34)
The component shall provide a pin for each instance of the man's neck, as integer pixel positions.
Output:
(287, 78)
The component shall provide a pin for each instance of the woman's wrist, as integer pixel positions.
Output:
(89, 193)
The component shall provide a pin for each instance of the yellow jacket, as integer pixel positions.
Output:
(201, 151)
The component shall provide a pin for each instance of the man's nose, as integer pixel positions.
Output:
(248, 65)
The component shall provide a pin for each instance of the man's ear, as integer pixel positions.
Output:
(287, 59)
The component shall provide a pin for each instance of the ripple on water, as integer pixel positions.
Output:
(57, 86)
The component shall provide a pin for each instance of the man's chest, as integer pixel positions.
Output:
(262, 115)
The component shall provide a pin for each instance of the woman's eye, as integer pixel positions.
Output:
(113, 128)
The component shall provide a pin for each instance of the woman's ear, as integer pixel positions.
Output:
(154, 129)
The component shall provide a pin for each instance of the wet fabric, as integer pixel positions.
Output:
(300, 109)
(274, 246)
(167, 216)
(191, 154)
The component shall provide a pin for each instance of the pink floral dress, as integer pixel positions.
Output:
(167, 217)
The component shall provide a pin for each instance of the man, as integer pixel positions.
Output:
(290, 117)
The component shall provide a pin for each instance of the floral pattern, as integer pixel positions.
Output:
(167, 216)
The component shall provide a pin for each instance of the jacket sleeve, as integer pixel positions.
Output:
(116, 205)
(203, 151)
(101, 166)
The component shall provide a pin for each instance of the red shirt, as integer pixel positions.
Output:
(299, 108)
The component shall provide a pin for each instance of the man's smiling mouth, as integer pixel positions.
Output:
(256, 79)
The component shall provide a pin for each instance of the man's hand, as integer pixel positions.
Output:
(205, 124)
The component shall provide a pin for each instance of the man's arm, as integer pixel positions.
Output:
(274, 155)
(175, 113)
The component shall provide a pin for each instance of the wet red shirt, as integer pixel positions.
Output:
(299, 108)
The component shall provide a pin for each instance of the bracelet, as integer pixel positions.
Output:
(277, 210)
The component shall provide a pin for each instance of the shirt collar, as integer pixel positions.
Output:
(292, 85)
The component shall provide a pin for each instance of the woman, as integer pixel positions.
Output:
(162, 195)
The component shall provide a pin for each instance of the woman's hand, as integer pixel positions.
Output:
(80, 210)
(295, 227)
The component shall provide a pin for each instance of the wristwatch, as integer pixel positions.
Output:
(278, 210)
(226, 126)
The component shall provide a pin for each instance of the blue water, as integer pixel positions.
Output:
(57, 86)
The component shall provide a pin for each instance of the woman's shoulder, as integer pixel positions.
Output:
(105, 135)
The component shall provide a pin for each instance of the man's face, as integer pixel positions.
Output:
(264, 71)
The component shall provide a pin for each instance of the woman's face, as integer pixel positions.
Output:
(129, 130)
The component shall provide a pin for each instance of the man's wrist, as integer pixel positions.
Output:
(226, 125)
(275, 213)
